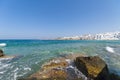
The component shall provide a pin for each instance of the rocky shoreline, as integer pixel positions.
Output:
(74, 67)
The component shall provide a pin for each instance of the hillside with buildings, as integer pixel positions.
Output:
(101, 36)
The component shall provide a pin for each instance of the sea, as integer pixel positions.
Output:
(30, 55)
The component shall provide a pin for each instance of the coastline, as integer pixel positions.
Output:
(63, 68)
(100, 36)
(34, 53)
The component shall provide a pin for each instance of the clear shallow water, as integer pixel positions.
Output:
(31, 54)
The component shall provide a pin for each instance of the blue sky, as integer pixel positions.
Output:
(43, 19)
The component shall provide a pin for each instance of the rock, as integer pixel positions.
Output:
(56, 69)
(52, 70)
(1, 53)
(93, 67)
(114, 77)
(72, 67)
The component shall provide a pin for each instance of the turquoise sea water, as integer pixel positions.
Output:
(31, 54)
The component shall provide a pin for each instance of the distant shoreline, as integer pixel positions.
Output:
(100, 36)
(55, 40)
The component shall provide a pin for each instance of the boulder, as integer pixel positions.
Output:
(56, 69)
(114, 76)
(93, 67)
(72, 67)
(52, 70)
(1, 53)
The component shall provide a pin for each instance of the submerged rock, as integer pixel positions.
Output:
(93, 67)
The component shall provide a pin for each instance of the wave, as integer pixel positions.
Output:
(4, 62)
(110, 49)
(3, 44)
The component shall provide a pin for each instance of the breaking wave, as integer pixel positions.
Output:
(110, 49)
(3, 44)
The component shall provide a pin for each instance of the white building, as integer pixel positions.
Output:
(101, 36)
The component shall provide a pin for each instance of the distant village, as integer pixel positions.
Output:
(101, 36)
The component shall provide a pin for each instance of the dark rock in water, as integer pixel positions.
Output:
(1, 53)
(114, 77)
(93, 67)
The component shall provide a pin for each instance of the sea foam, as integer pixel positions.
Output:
(3, 44)
(110, 49)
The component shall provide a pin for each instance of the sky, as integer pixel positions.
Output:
(47, 19)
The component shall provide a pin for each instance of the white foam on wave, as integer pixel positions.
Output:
(15, 76)
(3, 44)
(27, 68)
(3, 62)
(15, 73)
(4, 66)
(2, 72)
(77, 72)
(68, 60)
(71, 67)
(110, 49)
(6, 58)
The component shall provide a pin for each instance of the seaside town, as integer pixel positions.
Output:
(101, 36)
